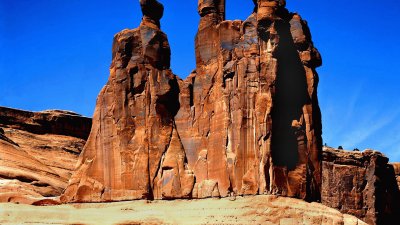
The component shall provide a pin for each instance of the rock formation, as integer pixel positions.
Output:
(253, 124)
(36, 165)
(38, 152)
(57, 122)
(245, 122)
(134, 150)
(362, 184)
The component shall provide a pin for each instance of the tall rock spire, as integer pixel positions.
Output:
(134, 150)
(254, 92)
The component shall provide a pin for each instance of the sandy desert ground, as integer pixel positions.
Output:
(242, 210)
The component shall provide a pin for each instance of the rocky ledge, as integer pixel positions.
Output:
(362, 184)
(46, 122)
(38, 152)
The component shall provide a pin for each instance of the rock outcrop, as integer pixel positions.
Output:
(245, 122)
(362, 184)
(58, 122)
(38, 152)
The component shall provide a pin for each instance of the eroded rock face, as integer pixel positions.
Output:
(134, 150)
(57, 122)
(38, 152)
(251, 119)
(245, 122)
(362, 184)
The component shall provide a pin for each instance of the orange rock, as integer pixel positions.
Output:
(245, 122)
(362, 184)
(38, 151)
(254, 106)
(134, 150)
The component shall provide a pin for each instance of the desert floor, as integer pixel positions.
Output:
(262, 209)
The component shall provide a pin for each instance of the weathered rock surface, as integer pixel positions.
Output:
(46, 122)
(362, 184)
(38, 152)
(134, 150)
(245, 122)
(269, 210)
(249, 116)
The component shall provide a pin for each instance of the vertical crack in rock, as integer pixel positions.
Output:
(290, 97)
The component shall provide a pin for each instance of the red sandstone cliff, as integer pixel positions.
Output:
(250, 120)
(38, 152)
(246, 121)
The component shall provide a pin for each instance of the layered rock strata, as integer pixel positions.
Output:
(362, 184)
(57, 122)
(38, 152)
(245, 122)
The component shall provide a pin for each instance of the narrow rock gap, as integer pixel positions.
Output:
(183, 59)
(291, 95)
(191, 103)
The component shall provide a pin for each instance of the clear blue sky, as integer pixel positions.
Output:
(56, 55)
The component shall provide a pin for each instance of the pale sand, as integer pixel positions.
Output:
(244, 210)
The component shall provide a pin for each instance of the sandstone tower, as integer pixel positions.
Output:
(245, 122)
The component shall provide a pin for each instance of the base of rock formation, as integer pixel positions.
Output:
(36, 165)
(264, 209)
